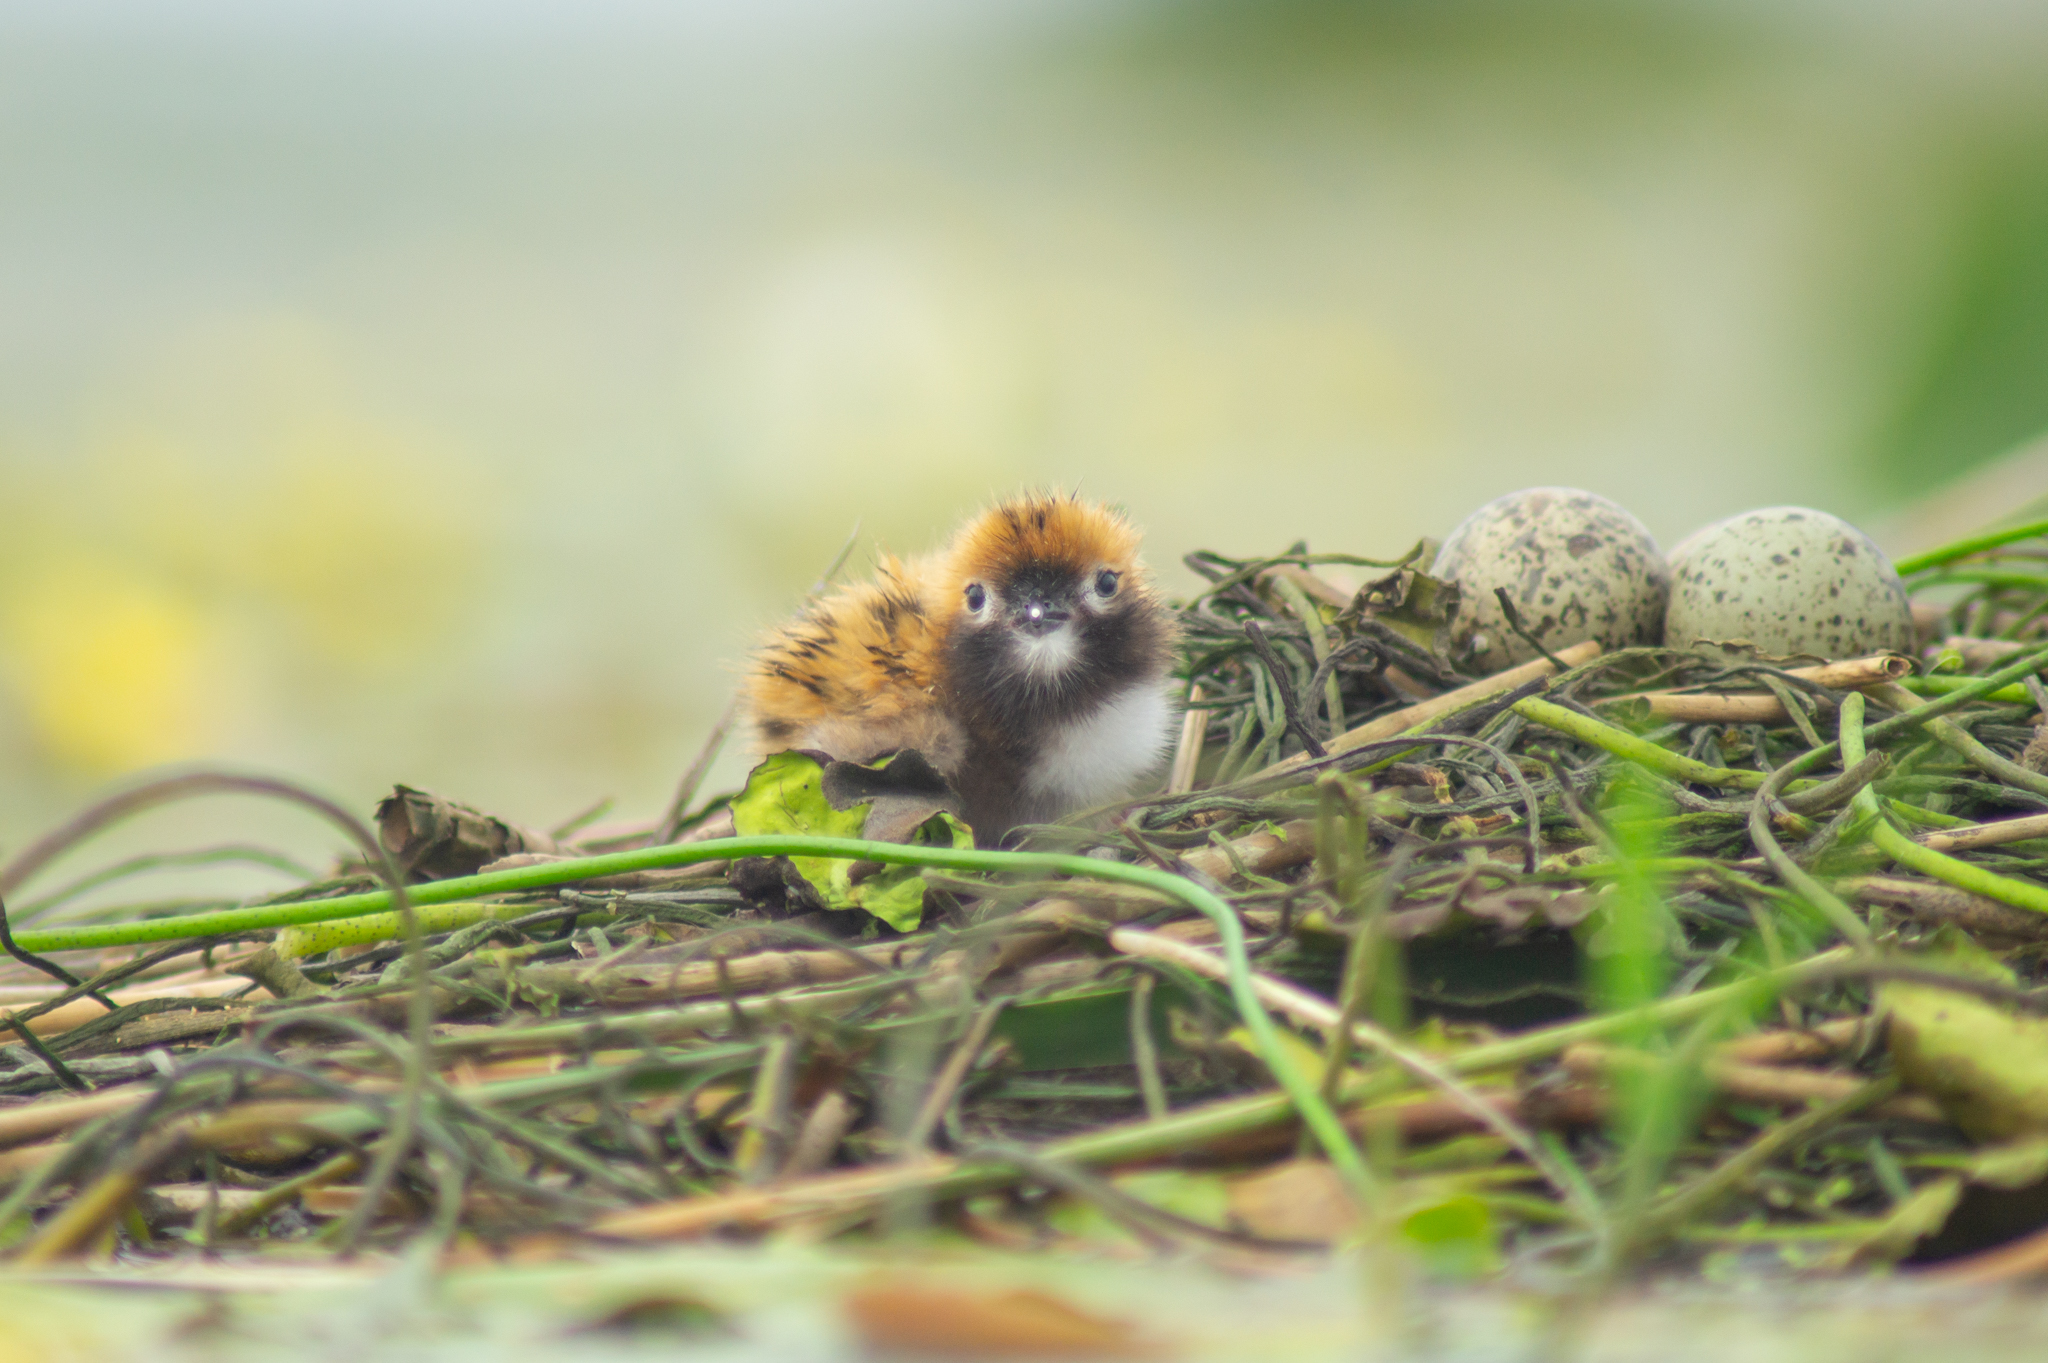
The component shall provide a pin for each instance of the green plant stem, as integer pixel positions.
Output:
(1315, 1113)
(1228, 1118)
(1938, 685)
(1179, 1131)
(1976, 544)
(1512, 1051)
(1319, 643)
(1194, 1127)
(1964, 875)
(2026, 665)
(1639, 750)
(1627, 746)
(1991, 575)
(1960, 741)
(261, 917)
(1814, 758)
(1961, 874)
(1805, 886)
(312, 939)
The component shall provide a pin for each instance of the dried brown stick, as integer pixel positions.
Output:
(1187, 754)
(656, 1026)
(1784, 1046)
(1853, 674)
(1782, 1086)
(1310, 1011)
(61, 1010)
(830, 1118)
(1727, 707)
(1932, 902)
(1978, 654)
(1392, 725)
(272, 1198)
(55, 1116)
(822, 1196)
(238, 1129)
(1986, 834)
(643, 982)
(25, 1159)
(1759, 707)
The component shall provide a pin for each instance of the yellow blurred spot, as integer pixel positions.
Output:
(106, 664)
(350, 540)
(246, 470)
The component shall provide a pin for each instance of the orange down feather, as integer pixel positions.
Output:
(861, 671)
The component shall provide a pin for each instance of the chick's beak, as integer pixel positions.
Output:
(1040, 617)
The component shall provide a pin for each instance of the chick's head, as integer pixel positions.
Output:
(1045, 592)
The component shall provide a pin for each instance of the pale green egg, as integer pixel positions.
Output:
(1575, 566)
(1790, 580)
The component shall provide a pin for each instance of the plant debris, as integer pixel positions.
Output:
(1671, 957)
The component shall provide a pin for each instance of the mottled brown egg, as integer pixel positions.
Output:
(1788, 579)
(1575, 565)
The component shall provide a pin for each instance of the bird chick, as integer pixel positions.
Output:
(1027, 660)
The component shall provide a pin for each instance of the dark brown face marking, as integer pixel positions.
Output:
(1010, 715)
(987, 682)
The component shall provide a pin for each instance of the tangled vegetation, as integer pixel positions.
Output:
(1674, 956)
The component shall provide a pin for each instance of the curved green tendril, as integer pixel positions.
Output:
(1316, 1114)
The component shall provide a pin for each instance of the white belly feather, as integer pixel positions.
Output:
(1102, 756)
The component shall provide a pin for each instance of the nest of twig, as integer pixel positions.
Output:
(1589, 963)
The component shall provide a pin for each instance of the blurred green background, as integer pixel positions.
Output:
(445, 392)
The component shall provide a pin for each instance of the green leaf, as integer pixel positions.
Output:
(896, 893)
(1985, 1065)
(785, 794)
(1981, 1062)
(1454, 1237)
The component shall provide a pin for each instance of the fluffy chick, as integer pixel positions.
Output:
(1027, 660)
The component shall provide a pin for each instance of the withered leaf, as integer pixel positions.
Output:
(962, 1323)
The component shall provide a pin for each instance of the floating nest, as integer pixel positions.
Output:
(1612, 959)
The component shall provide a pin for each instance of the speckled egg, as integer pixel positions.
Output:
(1575, 565)
(1788, 579)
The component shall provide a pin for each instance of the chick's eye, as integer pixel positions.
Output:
(976, 596)
(1105, 583)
